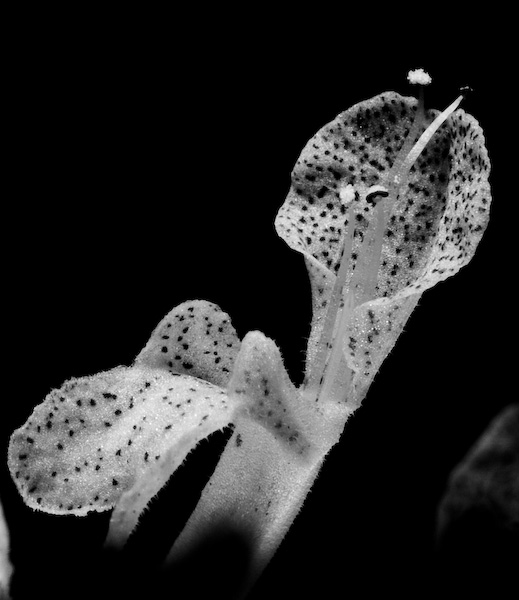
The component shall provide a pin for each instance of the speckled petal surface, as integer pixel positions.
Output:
(374, 329)
(195, 338)
(434, 225)
(90, 440)
(439, 217)
(271, 398)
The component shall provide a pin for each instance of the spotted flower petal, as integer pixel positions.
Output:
(196, 338)
(126, 430)
(432, 229)
(271, 399)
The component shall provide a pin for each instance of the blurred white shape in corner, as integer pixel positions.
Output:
(5, 566)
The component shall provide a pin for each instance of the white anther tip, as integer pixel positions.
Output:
(347, 193)
(419, 77)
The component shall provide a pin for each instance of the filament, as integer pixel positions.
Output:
(329, 361)
(330, 318)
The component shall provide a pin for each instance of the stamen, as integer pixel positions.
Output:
(336, 364)
(425, 139)
(365, 277)
(421, 78)
(330, 318)
(376, 192)
(347, 194)
(330, 370)
(330, 362)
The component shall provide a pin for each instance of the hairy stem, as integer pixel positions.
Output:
(252, 498)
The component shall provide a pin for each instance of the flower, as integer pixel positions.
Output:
(386, 200)
(397, 215)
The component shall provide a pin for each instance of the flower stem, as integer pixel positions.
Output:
(253, 497)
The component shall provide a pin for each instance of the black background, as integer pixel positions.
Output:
(145, 167)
